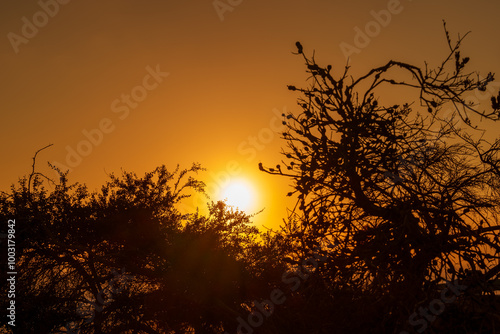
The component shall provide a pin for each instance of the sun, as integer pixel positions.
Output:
(238, 193)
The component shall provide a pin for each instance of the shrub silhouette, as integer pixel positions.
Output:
(124, 259)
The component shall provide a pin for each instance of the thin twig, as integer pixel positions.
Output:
(33, 173)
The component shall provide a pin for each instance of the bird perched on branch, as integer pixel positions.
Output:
(299, 47)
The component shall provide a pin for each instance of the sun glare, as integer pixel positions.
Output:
(239, 194)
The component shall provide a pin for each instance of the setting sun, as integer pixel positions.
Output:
(238, 193)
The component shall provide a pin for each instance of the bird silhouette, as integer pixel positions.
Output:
(299, 47)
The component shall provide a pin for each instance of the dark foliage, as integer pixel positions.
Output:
(409, 196)
(125, 260)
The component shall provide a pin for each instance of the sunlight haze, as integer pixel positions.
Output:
(126, 85)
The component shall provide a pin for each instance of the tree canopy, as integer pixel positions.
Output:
(125, 260)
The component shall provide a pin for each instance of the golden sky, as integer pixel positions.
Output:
(175, 82)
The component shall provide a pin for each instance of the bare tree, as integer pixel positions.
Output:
(409, 194)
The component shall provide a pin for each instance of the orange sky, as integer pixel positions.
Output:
(103, 65)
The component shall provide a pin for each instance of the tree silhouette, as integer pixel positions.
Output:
(125, 260)
(395, 228)
(409, 195)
